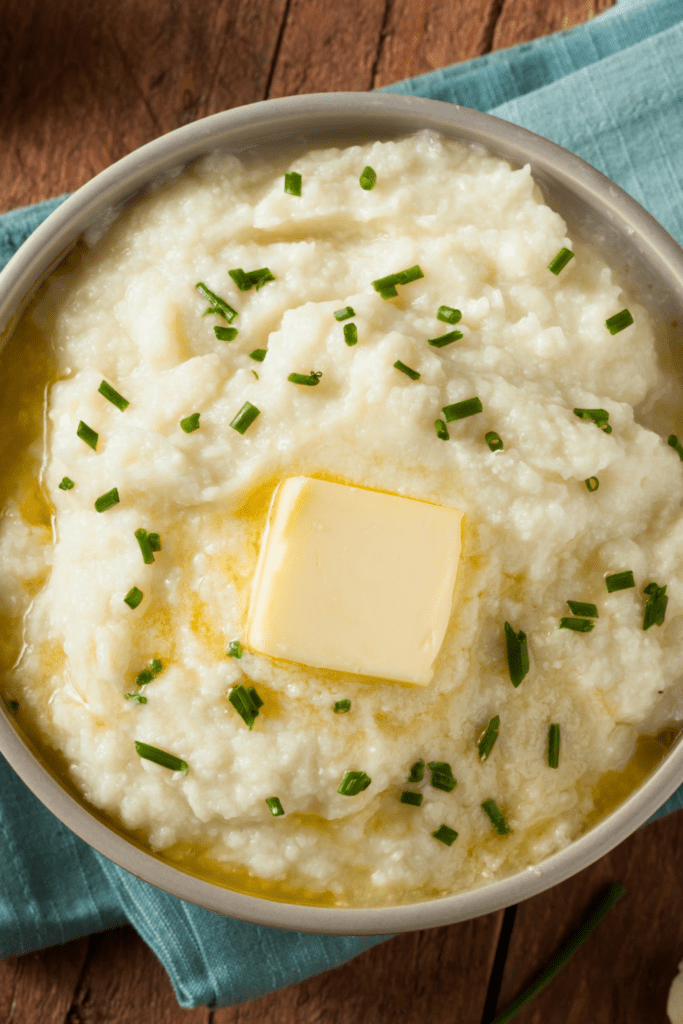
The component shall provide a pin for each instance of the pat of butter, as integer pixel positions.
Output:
(354, 580)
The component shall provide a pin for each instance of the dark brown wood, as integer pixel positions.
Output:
(41, 986)
(522, 20)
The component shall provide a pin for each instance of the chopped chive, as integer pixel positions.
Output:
(274, 806)
(417, 772)
(241, 279)
(441, 430)
(156, 666)
(445, 835)
(592, 483)
(461, 410)
(218, 307)
(566, 952)
(386, 286)
(350, 334)
(619, 321)
(445, 339)
(226, 333)
(246, 703)
(113, 396)
(674, 443)
(108, 500)
(341, 707)
(154, 541)
(442, 776)
(560, 261)
(309, 379)
(244, 418)
(258, 355)
(413, 374)
(151, 672)
(133, 597)
(577, 625)
(619, 581)
(260, 277)
(493, 441)
(136, 698)
(344, 314)
(584, 608)
(389, 292)
(368, 179)
(190, 423)
(142, 538)
(518, 654)
(13, 706)
(170, 761)
(353, 783)
(66, 484)
(598, 416)
(495, 817)
(255, 374)
(655, 606)
(488, 738)
(88, 435)
(235, 649)
(448, 315)
(408, 797)
(553, 746)
(293, 183)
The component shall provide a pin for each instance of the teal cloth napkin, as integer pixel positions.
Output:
(610, 90)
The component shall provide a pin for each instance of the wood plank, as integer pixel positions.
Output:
(624, 971)
(522, 20)
(439, 975)
(41, 986)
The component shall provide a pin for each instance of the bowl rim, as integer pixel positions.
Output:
(284, 119)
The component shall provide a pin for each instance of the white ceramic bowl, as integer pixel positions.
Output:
(649, 264)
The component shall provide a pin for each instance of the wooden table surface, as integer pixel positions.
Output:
(82, 83)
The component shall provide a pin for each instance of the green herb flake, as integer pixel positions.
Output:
(488, 738)
(368, 179)
(597, 416)
(620, 581)
(441, 430)
(344, 314)
(584, 608)
(674, 443)
(445, 339)
(353, 783)
(13, 707)
(442, 776)
(493, 441)
(592, 483)
(341, 707)
(461, 410)
(350, 334)
(190, 423)
(235, 649)
(245, 281)
(417, 772)
(146, 548)
(577, 625)
(244, 418)
(133, 597)
(518, 654)
(166, 760)
(241, 279)
(655, 606)
(415, 799)
(490, 807)
(226, 333)
(274, 806)
(445, 835)
(560, 261)
(87, 434)
(66, 484)
(107, 501)
(293, 183)
(553, 746)
(135, 698)
(154, 668)
(154, 541)
(246, 703)
(448, 315)
(308, 379)
(258, 355)
(218, 306)
(386, 286)
(413, 374)
(619, 322)
(113, 396)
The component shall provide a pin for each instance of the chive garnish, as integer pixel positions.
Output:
(674, 443)
(353, 783)
(246, 280)
(151, 672)
(226, 333)
(88, 435)
(146, 548)
(13, 706)
(342, 706)
(218, 306)
(448, 315)
(445, 835)
(442, 776)
(388, 292)
(258, 355)
(461, 410)
(350, 334)
(309, 379)
(293, 183)
(154, 541)
(584, 608)
(246, 703)
(255, 374)
(493, 441)
(598, 416)
(66, 484)
(441, 430)
(368, 179)
(553, 746)
(619, 321)
(274, 806)
(619, 581)
(190, 423)
(566, 952)
(417, 772)
(655, 606)
(445, 339)
(413, 374)
(518, 654)
(592, 483)
(577, 625)
(560, 261)
(344, 314)
(488, 738)
(133, 597)
(241, 279)
(136, 698)
(244, 418)
(108, 500)
(235, 649)
(166, 760)
(386, 286)
(496, 817)
(408, 797)
(113, 396)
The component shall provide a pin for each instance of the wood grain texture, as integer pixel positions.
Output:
(41, 986)
(522, 20)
